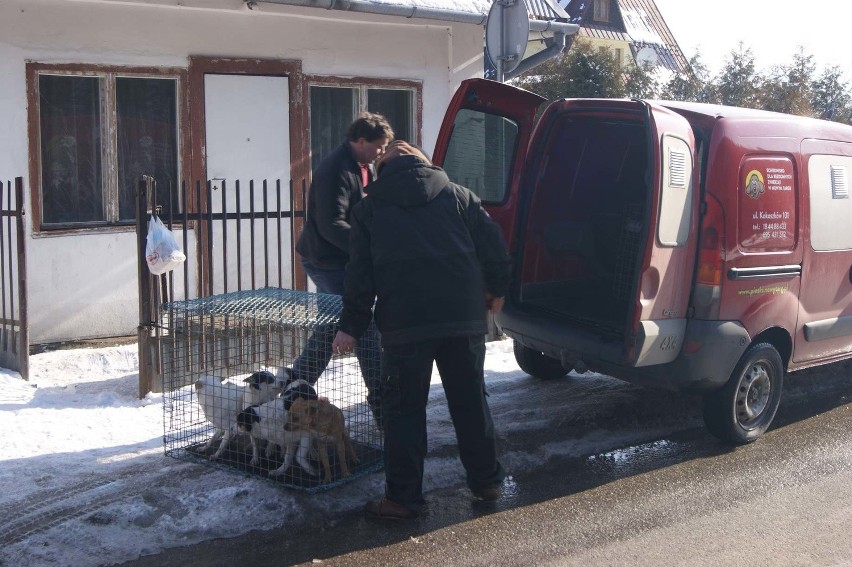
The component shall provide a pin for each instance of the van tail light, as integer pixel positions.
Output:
(711, 256)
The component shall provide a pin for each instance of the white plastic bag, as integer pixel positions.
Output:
(161, 251)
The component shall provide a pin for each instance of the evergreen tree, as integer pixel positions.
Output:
(587, 72)
(581, 73)
(830, 96)
(694, 85)
(640, 81)
(788, 88)
(737, 84)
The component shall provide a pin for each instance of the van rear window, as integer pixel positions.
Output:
(480, 154)
(767, 196)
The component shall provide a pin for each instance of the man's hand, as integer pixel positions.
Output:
(343, 342)
(493, 303)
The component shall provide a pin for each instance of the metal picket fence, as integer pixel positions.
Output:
(14, 332)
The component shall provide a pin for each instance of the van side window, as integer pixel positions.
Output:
(831, 207)
(767, 197)
(480, 154)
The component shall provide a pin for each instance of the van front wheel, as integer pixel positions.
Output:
(538, 364)
(742, 410)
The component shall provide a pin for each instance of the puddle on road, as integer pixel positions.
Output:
(630, 459)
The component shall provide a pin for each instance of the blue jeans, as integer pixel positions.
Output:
(408, 373)
(317, 354)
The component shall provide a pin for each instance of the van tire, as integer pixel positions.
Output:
(743, 409)
(538, 364)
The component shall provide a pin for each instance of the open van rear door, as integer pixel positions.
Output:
(483, 142)
(609, 238)
(606, 235)
(668, 265)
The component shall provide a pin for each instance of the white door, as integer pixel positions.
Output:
(248, 140)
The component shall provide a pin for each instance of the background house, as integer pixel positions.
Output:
(632, 31)
(96, 92)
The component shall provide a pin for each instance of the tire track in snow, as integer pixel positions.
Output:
(46, 509)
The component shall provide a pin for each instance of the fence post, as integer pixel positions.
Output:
(24, 325)
(146, 323)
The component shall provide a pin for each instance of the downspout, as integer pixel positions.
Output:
(556, 46)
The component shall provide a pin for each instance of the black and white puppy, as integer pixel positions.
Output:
(221, 402)
(267, 421)
(293, 387)
(261, 380)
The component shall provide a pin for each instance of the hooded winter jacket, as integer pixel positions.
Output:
(423, 249)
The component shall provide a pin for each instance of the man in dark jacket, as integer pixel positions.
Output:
(338, 185)
(425, 250)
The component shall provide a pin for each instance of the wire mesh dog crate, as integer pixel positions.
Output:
(250, 383)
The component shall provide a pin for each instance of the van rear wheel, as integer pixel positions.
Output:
(742, 410)
(538, 364)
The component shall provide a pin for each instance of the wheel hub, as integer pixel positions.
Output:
(753, 395)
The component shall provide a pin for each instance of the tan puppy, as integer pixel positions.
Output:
(325, 422)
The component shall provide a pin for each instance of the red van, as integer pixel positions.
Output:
(678, 245)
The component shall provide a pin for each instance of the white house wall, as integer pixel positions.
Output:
(84, 285)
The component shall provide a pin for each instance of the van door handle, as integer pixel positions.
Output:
(791, 270)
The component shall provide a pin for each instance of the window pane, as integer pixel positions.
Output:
(601, 11)
(70, 128)
(397, 106)
(480, 153)
(332, 110)
(146, 111)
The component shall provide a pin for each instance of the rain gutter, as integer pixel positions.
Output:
(379, 8)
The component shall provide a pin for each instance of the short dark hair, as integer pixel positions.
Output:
(399, 148)
(371, 127)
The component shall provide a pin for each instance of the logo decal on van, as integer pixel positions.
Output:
(773, 289)
(755, 186)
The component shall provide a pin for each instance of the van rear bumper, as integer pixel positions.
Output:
(559, 340)
(710, 351)
(708, 354)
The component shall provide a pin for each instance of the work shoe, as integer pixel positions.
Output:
(385, 509)
(490, 493)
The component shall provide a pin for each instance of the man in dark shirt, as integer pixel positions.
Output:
(338, 185)
(426, 253)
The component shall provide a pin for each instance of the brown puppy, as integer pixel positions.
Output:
(325, 422)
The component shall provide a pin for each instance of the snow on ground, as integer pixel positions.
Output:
(84, 479)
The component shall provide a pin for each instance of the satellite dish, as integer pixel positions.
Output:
(507, 31)
(647, 57)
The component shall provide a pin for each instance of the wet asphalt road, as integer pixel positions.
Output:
(684, 499)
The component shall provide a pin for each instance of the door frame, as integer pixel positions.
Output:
(300, 167)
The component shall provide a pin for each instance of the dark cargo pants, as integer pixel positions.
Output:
(407, 371)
